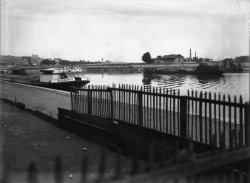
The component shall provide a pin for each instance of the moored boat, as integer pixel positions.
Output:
(56, 78)
(201, 69)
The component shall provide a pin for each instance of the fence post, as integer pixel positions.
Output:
(89, 102)
(247, 136)
(183, 116)
(140, 108)
(111, 103)
(71, 99)
(247, 124)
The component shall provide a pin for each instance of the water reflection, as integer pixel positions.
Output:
(204, 79)
(178, 80)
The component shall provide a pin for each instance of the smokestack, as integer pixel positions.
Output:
(195, 54)
(190, 55)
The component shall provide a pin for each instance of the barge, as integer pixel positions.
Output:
(56, 78)
(201, 69)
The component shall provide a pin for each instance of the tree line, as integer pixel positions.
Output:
(65, 62)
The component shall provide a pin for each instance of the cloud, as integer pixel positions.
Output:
(124, 29)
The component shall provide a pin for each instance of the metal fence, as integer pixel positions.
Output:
(200, 117)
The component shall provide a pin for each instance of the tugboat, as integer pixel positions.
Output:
(56, 78)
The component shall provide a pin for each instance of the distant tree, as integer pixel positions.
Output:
(45, 62)
(52, 62)
(228, 60)
(64, 62)
(48, 62)
(159, 57)
(146, 57)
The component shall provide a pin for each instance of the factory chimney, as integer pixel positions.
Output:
(190, 55)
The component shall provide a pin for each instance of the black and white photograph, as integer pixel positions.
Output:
(124, 91)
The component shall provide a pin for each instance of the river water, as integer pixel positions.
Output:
(228, 83)
(48, 100)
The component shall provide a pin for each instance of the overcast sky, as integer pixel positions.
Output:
(122, 30)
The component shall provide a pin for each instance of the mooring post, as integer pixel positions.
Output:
(90, 102)
(140, 108)
(183, 116)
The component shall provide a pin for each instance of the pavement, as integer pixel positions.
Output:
(25, 138)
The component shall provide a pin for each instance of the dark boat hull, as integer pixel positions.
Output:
(65, 86)
(200, 70)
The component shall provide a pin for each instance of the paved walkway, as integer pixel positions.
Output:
(25, 138)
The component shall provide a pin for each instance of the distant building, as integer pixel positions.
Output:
(9, 60)
(16, 71)
(25, 60)
(35, 59)
(168, 59)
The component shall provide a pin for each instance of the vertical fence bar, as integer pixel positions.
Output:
(188, 114)
(90, 102)
(210, 119)
(119, 102)
(156, 110)
(174, 120)
(183, 116)
(200, 118)
(148, 108)
(196, 116)
(235, 125)
(178, 119)
(215, 121)
(140, 108)
(192, 120)
(160, 110)
(133, 101)
(247, 137)
(171, 112)
(206, 124)
(167, 121)
(247, 124)
(129, 104)
(219, 114)
(111, 104)
(124, 102)
(224, 120)
(230, 124)
(71, 98)
(241, 123)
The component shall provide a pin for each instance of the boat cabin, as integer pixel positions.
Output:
(54, 75)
